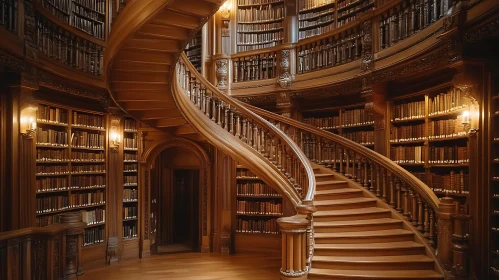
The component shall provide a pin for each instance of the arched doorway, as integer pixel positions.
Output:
(175, 179)
(165, 163)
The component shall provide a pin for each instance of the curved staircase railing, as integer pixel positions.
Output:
(435, 220)
(261, 147)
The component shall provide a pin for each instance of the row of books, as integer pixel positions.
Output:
(51, 169)
(130, 231)
(260, 13)
(51, 184)
(310, 23)
(256, 189)
(407, 133)
(51, 114)
(259, 38)
(72, 51)
(356, 117)
(52, 155)
(131, 167)
(92, 217)
(130, 212)
(130, 194)
(269, 226)
(131, 143)
(130, 157)
(325, 123)
(83, 139)
(446, 128)
(453, 99)
(130, 124)
(317, 13)
(259, 207)
(346, 3)
(311, 4)
(51, 203)
(407, 111)
(46, 136)
(94, 235)
(244, 173)
(129, 179)
(259, 27)
(407, 154)
(451, 154)
(88, 22)
(86, 199)
(257, 2)
(88, 120)
(361, 137)
(44, 221)
(88, 168)
(193, 52)
(354, 9)
(88, 156)
(303, 34)
(95, 5)
(454, 182)
(243, 48)
(85, 182)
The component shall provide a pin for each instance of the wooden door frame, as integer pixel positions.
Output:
(146, 160)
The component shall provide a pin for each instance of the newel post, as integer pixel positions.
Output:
(445, 213)
(74, 241)
(222, 72)
(297, 243)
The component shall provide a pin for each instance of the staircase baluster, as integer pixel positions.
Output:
(219, 113)
(341, 160)
(384, 183)
(226, 117)
(358, 160)
(347, 165)
(250, 133)
(373, 178)
(378, 181)
(420, 213)
(231, 118)
(319, 151)
(335, 158)
(392, 192)
(262, 143)
(255, 138)
(431, 235)
(406, 201)
(399, 196)
(366, 179)
(213, 108)
(426, 222)
(414, 213)
(206, 104)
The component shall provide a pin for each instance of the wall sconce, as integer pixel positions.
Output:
(28, 120)
(225, 9)
(465, 118)
(114, 134)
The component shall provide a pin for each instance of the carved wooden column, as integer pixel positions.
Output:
(225, 184)
(444, 232)
(376, 105)
(294, 247)
(287, 106)
(222, 66)
(460, 246)
(74, 241)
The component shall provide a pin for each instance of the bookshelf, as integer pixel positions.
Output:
(427, 138)
(352, 122)
(258, 206)
(259, 24)
(71, 168)
(494, 188)
(316, 17)
(193, 51)
(130, 182)
(88, 16)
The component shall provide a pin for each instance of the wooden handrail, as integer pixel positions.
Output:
(241, 110)
(50, 230)
(422, 189)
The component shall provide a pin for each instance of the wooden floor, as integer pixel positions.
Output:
(185, 266)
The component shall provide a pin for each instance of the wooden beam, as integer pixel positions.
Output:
(141, 96)
(172, 18)
(185, 129)
(157, 114)
(148, 105)
(172, 122)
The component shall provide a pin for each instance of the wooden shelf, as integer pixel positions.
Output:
(85, 189)
(448, 165)
(328, 12)
(262, 21)
(83, 127)
(87, 149)
(418, 119)
(51, 146)
(408, 142)
(130, 219)
(259, 196)
(316, 8)
(448, 114)
(259, 215)
(453, 138)
(53, 191)
(257, 5)
(38, 122)
(95, 225)
(52, 161)
(317, 25)
(258, 234)
(451, 194)
(52, 175)
(263, 31)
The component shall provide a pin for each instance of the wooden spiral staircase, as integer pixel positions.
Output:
(374, 220)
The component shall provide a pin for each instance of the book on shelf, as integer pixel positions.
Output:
(88, 120)
(262, 13)
(407, 133)
(325, 123)
(51, 155)
(259, 207)
(47, 220)
(130, 195)
(51, 137)
(88, 168)
(446, 128)
(51, 204)
(130, 230)
(130, 157)
(93, 235)
(86, 199)
(408, 111)
(449, 155)
(52, 169)
(255, 189)
(451, 100)
(130, 167)
(130, 124)
(131, 143)
(356, 117)
(268, 226)
(361, 137)
(49, 114)
(407, 154)
(84, 139)
(130, 212)
(130, 179)
(47, 184)
(85, 182)
(92, 217)
(88, 156)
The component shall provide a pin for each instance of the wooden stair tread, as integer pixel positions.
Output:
(338, 191)
(374, 233)
(376, 274)
(335, 182)
(370, 246)
(358, 211)
(357, 222)
(373, 259)
(344, 201)
(323, 175)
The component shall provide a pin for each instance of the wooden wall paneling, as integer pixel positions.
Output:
(3, 175)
